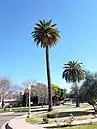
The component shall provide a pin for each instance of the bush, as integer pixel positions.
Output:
(71, 119)
(45, 120)
(53, 115)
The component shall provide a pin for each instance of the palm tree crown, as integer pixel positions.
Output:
(74, 72)
(45, 34)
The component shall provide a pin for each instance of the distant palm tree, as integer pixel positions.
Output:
(46, 35)
(74, 73)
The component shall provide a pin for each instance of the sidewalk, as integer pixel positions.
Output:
(20, 123)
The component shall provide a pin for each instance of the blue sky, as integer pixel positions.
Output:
(21, 60)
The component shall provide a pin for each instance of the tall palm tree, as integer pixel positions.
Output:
(74, 73)
(46, 35)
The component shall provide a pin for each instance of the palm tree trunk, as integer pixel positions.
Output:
(49, 80)
(76, 94)
(26, 99)
(77, 101)
(3, 96)
(3, 103)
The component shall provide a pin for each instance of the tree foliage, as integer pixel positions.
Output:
(45, 34)
(88, 90)
(74, 91)
(5, 86)
(40, 90)
(59, 93)
(25, 85)
(73, 73)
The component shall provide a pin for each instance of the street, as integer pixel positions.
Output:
(5, 118)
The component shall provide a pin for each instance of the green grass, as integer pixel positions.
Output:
(32, 107)
(80, 113)
(34, 120)
(18, 109)
(81, 108)
(2, 111)
(94, 126)
(26, 108)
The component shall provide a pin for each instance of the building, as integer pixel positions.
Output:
(11, 99)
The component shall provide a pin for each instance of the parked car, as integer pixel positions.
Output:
(57, 103)
(62, 102)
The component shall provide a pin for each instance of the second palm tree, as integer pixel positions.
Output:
(74, 72)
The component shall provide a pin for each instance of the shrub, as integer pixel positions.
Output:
(71, 119)
(53, 115)
(45, 120)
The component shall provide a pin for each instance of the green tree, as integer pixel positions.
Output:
(88, 90)
(5, 86)
(63, 94)
(73, 73)
(73, 92)
(55, 89)
(46, 35)
(59, 93)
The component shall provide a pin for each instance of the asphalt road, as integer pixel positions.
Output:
(5, 118)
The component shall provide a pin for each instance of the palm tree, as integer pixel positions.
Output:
(74, 73)
(46, 35)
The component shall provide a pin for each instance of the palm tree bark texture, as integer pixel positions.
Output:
(49, 79)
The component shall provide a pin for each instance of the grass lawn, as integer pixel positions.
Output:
(2, 111)
(93, 126)
(34, 120)
(79, 111)
(18, 109)
(26, 108)
(81, 108)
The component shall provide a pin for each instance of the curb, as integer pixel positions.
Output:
(4, 125)
(7, 123)
(11, 124)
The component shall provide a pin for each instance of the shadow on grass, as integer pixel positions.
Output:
(53, 127)
(90, 110)
(50, 127)
(75, 113)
